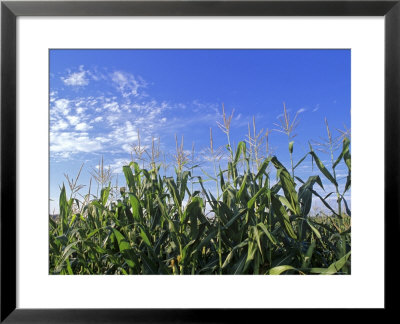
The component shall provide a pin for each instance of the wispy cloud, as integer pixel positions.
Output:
(316, 108)
(76, 78)
(117, 164)
(80, 110)
(59, 125)
(73, 142)
(126, 83)
(117, 113)
(301, 110)
(73, 120)
(112, 106)
(82, 127)
(61, 106)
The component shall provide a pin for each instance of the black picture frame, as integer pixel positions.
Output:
(10, 10)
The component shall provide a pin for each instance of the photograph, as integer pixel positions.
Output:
(199, 162)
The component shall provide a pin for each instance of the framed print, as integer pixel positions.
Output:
(189, 153)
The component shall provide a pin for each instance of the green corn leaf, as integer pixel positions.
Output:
(136, 210)
(323, 169)
(204, 242)
(283, 217)
(183, 185)
(64, 209)
(316, 232)
(241, 148)
(305, 193)
(240, 193)
(174, 191)
(123, 244)
(262, 169)
(348, 211)
(145, 236)
(239, 265)
(69, 269)
(269, 235)
(280, 269)
(130, 180)
(193, 212)
(65, 256)
(165, 215)
(105, 192)
(72, 219)
(221, 178)
(185, 251)
(136, 168)
(344, 152)
(347, 156)
(308, 256)
(234, 218)
(287, 186)
(336, 266)
(125, 249)
(301, 160)
(251, 251)
(230, 255)
(324, 202)
(285, 202)
(257, 237)
(149, 266)
(348, 183)
(251, 202)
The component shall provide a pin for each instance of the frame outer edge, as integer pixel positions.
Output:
(8, 155)
(203, 8)
(392, 147)
(8, 163)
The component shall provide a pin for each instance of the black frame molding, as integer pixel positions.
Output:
(10, 10)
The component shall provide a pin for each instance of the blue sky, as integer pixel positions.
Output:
(100, 98)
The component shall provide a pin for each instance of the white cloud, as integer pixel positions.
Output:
(80, 103)
(72, 142)
(316, 108)
(102, 139)
(119, 131)
(117, 165)
(127, 148)
(76, 79)
(301, 110)
(60, 125)
(112, 119)
(82, 127)
(73, 120)
(53, 95)
(64, 155)
(62, 106)
(126, 83)
(124, 133)
(96, 75)
(113, 106)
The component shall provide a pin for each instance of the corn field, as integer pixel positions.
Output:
(251, 223)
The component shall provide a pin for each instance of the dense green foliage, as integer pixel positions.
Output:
(160, 225)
